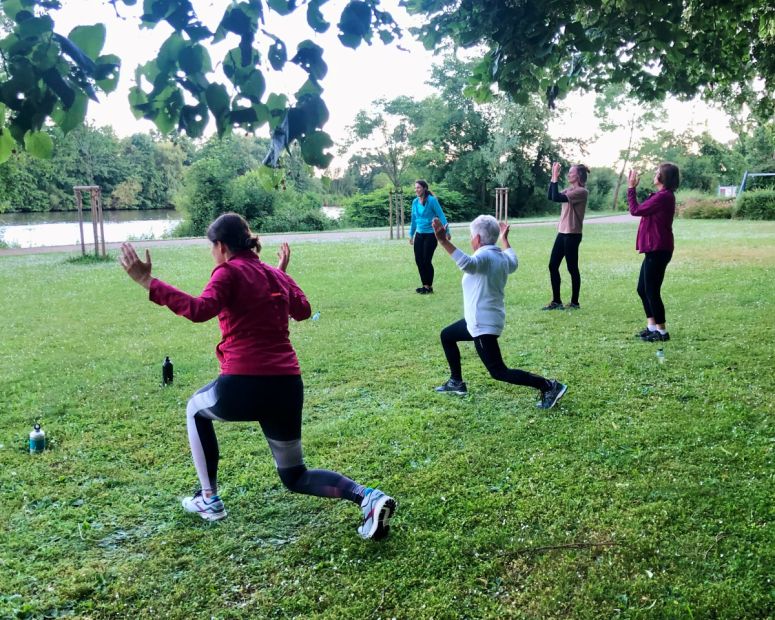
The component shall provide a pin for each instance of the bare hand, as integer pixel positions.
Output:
(633, 179)
(284, 256)
(411, 240)
(505, 227)
(556, 172)
(138, 270)
(439, 229)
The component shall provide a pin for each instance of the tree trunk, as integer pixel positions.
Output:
(624, 167)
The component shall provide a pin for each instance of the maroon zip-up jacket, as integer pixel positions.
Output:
(252, 301)
(655, 231)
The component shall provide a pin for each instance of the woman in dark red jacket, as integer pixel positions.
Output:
(260, 379)
(655, 241)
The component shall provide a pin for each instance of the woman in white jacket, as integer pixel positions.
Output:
(484, 280)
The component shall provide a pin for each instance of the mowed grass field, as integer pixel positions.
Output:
(647, 493)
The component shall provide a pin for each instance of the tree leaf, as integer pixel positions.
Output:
(194, 119)
(38, 144)
(355, 23)
(283, 7)
(90, 39)
(194, 59)
(277, 55)
(315, 18)
(312, 147)
(106, 73)
(309, 57)
(72, 117)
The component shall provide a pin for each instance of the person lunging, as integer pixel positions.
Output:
(484, 280)
(260, 379)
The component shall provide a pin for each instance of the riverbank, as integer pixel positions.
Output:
(315, 237)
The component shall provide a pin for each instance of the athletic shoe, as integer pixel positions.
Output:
(553, 306)
(209, 509)
(656, 337)
(643, 333)
(377, 509)
(453, 386)
(552, 395)
(420, 290)
(572, 306)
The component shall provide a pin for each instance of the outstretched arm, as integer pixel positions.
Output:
(284, 256)
(505, 235)
(554, 195)
(138, 270)
(440, 231)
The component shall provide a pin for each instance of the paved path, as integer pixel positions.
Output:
(314, 237)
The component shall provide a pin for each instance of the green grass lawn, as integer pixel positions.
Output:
(648, 492)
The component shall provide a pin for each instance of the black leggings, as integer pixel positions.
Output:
(566, 246)
(652, 274)
(275, 403)
(490, 354)
(424, 246)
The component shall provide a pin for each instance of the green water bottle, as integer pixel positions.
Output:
(37, 440)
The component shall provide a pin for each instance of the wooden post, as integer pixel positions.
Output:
(79, 204)
(502, 204)
(97, 219)
(401, 203)
(390, 212)
(101, 220)
(92, 201)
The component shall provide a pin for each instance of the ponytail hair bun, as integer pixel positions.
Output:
(583, 172)
(232, 229)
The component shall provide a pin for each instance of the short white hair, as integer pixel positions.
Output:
(488, 229)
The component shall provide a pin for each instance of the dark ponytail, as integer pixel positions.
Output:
(232, 230)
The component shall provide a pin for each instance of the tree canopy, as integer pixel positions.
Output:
(724, 50)
(47, 75)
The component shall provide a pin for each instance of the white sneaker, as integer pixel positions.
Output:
(209, 509)
(377, 509)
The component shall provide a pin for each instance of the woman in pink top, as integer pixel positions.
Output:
(260, 379)
(655, 242)
(566, 244)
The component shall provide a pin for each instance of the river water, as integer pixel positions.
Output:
(29, 230)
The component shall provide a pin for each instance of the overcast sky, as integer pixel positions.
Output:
(355, 77)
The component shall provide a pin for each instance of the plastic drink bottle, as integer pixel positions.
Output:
(37, 440)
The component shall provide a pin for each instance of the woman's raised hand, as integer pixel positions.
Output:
(633, 179)
(555, 172)
(284, 254)
(439, 229)
(138, 270)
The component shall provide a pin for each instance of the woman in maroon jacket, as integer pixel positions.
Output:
(260, 379)
(655, 241)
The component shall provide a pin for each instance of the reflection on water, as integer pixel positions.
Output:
(28, 230)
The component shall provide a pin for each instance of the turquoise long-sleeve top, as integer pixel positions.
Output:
(423, 214)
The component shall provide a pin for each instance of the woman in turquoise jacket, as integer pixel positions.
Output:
(424, 208)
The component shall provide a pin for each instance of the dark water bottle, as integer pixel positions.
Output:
(166, 372)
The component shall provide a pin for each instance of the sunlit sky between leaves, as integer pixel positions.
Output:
(355, 77)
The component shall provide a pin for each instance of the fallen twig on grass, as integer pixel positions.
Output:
(574, 545)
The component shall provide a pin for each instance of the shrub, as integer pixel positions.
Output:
(756, 205)
(372, 209)
(295, 212)
(601, 185)
(706, 209)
